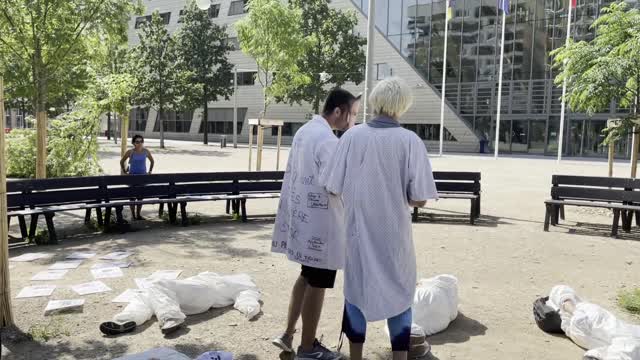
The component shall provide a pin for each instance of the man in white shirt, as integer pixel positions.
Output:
(309, 225)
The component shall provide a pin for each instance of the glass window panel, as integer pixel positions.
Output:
(395, 18)
(382, 12)
(437, 41)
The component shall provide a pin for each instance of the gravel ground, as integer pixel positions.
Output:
(503, 264)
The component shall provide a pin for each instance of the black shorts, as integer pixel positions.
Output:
(319, 278)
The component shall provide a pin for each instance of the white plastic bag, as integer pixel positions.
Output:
(621, 348)
(435, 304)
(248, 303)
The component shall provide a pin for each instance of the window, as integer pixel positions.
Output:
(179, 122)
(288, 129)
(247, 78)
(180, 16)
(430, 132)
(238, 7)
(138, 120)
(166, 18)
(383, 71)
(7, 119)
(214, 11)
(221, 120)
(233, 43)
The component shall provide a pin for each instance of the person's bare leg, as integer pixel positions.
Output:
(295, 305)
(400, 355)
(133, 212)
(311, 311)
(355, 351)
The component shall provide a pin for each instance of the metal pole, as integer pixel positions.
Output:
(369, 75)
(497, 144)
(235, 108)
(564, 90)
(444, 75)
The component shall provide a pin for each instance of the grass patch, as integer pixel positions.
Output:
(630, 301)
(47, 331)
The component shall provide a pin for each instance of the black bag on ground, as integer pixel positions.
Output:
(546, 317)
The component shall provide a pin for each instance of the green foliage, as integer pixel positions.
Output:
(606, 69)
(271, 34)
(334, 49)
(48, 331)
(162, 77)
(72, 145)
(45, 45)
(204, 49)
(630, 301)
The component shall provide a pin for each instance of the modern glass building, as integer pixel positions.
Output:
(531, 102)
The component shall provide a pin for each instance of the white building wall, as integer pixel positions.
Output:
(425, 109)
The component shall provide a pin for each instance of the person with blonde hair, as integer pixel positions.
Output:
(381, 171)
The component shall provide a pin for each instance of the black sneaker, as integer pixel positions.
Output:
(111, 328)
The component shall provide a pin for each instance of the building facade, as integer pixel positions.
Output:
(409, 43)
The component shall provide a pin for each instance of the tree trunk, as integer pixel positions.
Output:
(634, 152)
(611, 152)
(161, 128)
(40, 105)
(124, 133)
(205, 118)
(109, 125)
(6, 314)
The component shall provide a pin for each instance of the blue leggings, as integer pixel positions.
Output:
(354, 325)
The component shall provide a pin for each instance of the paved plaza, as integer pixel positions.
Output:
(503, 264)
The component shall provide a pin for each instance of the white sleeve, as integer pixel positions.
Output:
(332, 177)
(421, 186)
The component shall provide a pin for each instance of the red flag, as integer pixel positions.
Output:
(573, 4)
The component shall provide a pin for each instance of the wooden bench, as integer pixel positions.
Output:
(459, 186)
(49, 196)
(620, 195)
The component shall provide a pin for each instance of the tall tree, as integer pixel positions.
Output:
(335, 49)
(162, 77)
(605, 70)
(271, 35)
(204, 49)
(50, 36)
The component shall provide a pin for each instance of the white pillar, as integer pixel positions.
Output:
(369, 75)
(564, 90)
(235, 108)
(444, 75)
(497, 143)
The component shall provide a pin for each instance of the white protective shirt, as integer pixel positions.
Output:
(377, 171)
(309, 225)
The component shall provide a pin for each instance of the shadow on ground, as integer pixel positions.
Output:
(461, 330)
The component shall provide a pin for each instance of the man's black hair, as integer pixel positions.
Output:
(338, 98)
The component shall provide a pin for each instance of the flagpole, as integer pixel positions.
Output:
(504, 21)
(444, 75)
(564, 88)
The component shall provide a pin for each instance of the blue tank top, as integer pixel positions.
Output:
(138, 163)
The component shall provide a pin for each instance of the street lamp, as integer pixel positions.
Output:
(203, 4)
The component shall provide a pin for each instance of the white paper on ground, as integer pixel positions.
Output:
(143, 283)
(126, 296)
(162, 353)
(30, 257)
(120, 264)
(106, 273)
(63, 305)
(36, 291)
(91, 288)
(63, 265)
(117, 255)
(49, 275)
(80, 256)
(165, 275)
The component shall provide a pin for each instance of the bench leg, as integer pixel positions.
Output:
(119, 217)
(228, 207)
(87, 216)
(547, 216)
(161, 210)
(173, 209)
(183, 213)
(53, 238)
(562, 212)
(627, 220)
(236, 206)
(472, 212)
(107, 217)
(33, 226)
(556, 215)
(637, 218)
(243, 206)
(616, 221)
(23, 227)
(414, 217)
(99, 216)
(478, 202)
